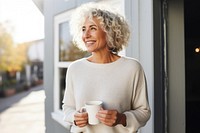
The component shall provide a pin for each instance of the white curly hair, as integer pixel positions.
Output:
(112, 23)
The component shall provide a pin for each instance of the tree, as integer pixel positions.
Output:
(12, 57)
(6, 47)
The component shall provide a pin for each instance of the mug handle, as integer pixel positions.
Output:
(83, 109)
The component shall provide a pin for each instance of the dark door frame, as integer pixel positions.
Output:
(160, 66)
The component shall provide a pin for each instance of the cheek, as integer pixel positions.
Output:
(103, 38)
(82, 37)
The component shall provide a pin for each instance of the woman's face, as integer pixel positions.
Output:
(93, 36)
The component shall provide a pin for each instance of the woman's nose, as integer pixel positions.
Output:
(86, 34)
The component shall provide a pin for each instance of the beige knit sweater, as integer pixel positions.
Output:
(120, 85)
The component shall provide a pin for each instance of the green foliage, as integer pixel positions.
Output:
(7, 84)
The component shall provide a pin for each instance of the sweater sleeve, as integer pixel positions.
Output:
(68, 100)
(140, 113)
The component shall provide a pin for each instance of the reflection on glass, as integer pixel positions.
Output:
(62, 73)
(67, 50)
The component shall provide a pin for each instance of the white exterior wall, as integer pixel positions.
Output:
(140, 15)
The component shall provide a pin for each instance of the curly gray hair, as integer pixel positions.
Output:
(113, 24)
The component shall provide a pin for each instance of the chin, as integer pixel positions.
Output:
(90, 50)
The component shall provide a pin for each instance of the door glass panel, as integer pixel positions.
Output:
(62, 73)
(192, 60)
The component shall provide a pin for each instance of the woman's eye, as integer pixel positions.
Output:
(93, 28)
(83, 29)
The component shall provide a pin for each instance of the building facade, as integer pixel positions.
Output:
(157, 41)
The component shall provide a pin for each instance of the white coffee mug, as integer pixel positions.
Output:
(92, 108)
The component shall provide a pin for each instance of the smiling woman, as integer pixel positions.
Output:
(26, 21)
(115, 80)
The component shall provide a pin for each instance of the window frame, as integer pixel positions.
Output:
(57, 113)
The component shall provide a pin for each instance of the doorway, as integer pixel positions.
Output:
(192, 64)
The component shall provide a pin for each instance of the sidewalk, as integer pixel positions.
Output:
(23, 112)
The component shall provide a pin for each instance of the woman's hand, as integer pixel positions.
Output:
(111, 117)
(81, 119)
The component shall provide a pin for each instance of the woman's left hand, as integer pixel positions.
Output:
(111, 117)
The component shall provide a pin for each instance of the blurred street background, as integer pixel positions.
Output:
(21, 67)
(23, 112)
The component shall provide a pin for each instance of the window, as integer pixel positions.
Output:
(65, 52)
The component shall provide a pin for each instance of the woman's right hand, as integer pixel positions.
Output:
(81, 119)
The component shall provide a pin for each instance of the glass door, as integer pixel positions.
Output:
(192, 68)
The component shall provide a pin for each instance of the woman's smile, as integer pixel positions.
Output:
(90, 42)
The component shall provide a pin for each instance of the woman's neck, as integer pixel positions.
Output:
(103, 58)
